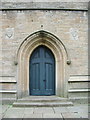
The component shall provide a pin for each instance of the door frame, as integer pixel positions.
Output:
(61, 57)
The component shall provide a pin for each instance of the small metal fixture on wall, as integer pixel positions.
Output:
(68, 62)
(15, 63)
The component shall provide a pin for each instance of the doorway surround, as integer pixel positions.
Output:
(61, 57)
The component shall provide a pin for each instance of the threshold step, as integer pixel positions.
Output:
(42, 100)
(48, 104)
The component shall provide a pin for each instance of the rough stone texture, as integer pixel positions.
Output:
(45, 5)
(44, 1)
(71, 27)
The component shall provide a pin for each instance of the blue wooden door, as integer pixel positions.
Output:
(42, 72)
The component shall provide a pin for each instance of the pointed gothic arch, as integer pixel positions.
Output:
(61, 56)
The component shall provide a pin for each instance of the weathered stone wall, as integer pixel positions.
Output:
(70, 26)
(45, 5)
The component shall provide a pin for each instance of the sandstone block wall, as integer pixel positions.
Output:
(70, 26)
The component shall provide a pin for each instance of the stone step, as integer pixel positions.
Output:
(40, 104)
(43, 100)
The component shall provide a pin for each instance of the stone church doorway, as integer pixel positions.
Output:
(42, 72)
(58, 54)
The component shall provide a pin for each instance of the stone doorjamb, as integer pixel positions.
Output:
(61, 57)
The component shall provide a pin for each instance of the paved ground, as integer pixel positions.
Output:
(76, 111)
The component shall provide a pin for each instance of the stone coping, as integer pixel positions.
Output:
(82, 6)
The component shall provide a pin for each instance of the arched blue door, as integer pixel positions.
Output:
(42, 72)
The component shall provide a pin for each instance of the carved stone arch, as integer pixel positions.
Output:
(61, 56)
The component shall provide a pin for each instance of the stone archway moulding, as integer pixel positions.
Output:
(61, 56)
